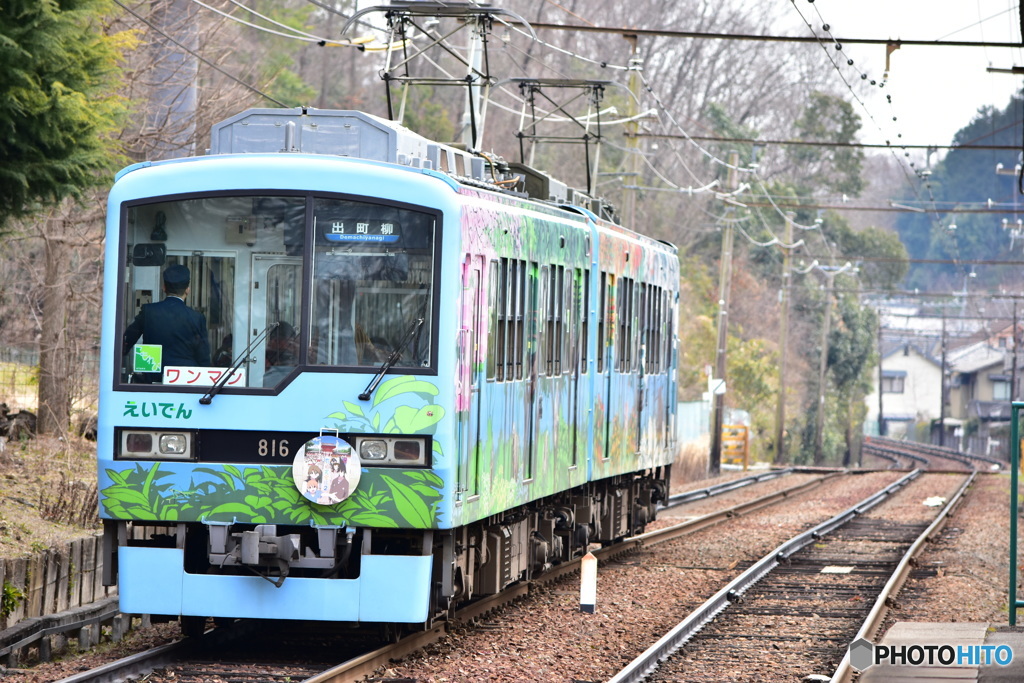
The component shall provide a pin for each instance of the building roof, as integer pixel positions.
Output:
(975, 357)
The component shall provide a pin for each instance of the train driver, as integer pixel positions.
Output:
(170, 323)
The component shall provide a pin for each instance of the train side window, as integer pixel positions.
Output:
(602, 318)
(494, 279)
(642, 329)
(555, 332)
(543, 305)
(670, 332)
(549, 323)
(620, 324)
(662, 337)
(582, 300)
(501, 331)
(654, 351)
(519, 287)
(531, 303)
(568, 322)
(624, 346)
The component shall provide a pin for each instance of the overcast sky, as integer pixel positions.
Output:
(935, 91)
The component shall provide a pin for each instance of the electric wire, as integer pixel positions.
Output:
(200, 57)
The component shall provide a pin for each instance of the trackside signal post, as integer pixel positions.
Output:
(1014, 603)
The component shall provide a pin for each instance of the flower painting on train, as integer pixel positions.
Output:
(406, 409)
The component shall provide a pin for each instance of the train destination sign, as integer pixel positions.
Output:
(363, 230)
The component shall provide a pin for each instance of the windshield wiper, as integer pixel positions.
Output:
(219, 384)
(391, 360)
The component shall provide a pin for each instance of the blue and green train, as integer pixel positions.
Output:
(432, 374)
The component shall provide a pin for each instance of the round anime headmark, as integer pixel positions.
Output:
(326, 470)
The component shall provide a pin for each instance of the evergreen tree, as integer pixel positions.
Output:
(58, 70)
(967, 178)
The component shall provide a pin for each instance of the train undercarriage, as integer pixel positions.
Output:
(464, 563)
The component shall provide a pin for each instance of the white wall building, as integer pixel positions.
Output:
(911, 393)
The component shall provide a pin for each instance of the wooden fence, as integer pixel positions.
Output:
(53, 592)
(54, 580)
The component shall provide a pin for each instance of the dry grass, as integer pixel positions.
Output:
(19, 386)
(47, 493)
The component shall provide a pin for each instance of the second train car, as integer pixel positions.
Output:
(432, 374)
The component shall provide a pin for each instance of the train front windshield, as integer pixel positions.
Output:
(282, 282)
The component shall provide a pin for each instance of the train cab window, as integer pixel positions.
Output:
(218, 241)
(373, 284)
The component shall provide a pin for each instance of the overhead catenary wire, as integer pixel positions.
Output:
(694, 140)
(294, 34)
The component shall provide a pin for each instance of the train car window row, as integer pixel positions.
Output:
(629, 315)
(654, 308)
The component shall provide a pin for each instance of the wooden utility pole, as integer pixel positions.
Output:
(881, 381)
(780, 409)
(830, 273)
(943, 389)
(632, 128)
(724, 282)
(819, 424)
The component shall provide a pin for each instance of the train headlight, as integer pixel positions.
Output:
(173, 444)
(373, 449)
(138, 444)
(405, 451)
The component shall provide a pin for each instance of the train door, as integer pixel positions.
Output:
(577, 327)
(275, 298)
(622, 397)
(536, 292)
(605, 326)
(641, 368)
(471, 371)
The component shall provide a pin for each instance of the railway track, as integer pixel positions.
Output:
(189, 660)
(804, 601)
(927, 455)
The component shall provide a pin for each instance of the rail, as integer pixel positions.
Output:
(725, 487)
(647, 662)
(844, 671)
(931, 449)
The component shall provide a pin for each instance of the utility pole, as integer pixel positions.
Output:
(881, 381)
(942, 387)
(830, 273)
(633, 127)
(724, 281)
(1013, 363)
(780, 409)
